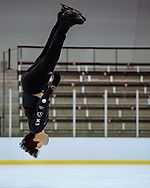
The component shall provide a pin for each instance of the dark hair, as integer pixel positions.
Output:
(29, 145)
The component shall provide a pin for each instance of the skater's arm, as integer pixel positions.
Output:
(44, 100)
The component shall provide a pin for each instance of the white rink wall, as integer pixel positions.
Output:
(81, 149)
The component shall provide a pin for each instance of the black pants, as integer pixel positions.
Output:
(37, 76)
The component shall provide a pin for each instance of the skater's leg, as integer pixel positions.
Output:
(39, 75)
(36, 78)
(45, 49)
(28, 77)
(49, 60)
(53, 31)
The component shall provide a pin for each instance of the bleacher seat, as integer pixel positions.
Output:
(90, 83)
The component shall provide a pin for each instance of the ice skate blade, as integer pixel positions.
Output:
(73, 9)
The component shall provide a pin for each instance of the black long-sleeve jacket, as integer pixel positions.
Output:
(37, 110)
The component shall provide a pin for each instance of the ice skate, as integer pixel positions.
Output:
(73, 10)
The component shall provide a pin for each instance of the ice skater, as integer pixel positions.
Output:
(35, 81)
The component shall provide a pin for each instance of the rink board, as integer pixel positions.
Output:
(79, 151)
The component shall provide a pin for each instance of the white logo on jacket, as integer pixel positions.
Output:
(37, 123)
(41, 107)
(39, 114)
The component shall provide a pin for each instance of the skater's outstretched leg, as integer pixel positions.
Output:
(38, 76)
(54, 29)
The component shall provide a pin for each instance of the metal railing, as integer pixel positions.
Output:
(106, 109)
(111, 59)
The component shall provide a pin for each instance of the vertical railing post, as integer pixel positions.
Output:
(3, 98)
(105, 113)
(18, 53)
(137, 113)
(67, 55)
(74, 113)
(116, 59)
(94, 58)
(9, 58)
(19, 63)
(67, 58)
(10, 112)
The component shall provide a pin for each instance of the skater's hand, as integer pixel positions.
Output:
(56, 79)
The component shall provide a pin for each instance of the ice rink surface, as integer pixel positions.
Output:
(75, 176)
